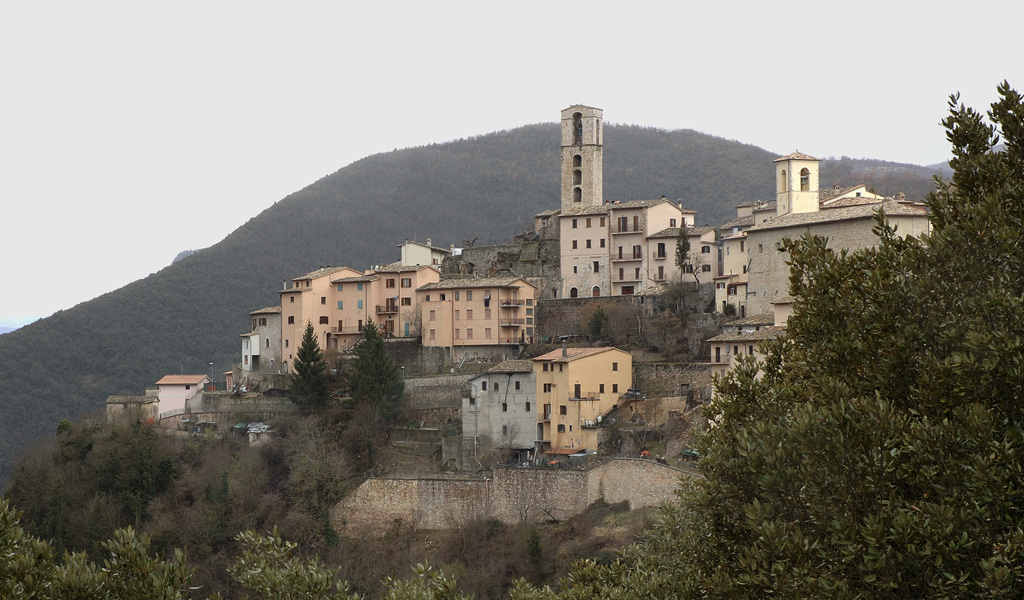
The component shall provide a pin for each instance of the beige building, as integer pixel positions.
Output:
(604, 245)
(576, 388)
(417, 254)
(308, 299)
(703, 257)
(478, 316)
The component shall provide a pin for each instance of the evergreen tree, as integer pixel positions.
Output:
(374, 377)
(682, 249)
(599, 325)
(308, 386)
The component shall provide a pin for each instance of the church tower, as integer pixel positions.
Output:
(582, 157)
(796, 188)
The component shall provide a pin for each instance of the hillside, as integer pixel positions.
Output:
(190, 313)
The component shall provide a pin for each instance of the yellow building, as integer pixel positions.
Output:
(576, 388)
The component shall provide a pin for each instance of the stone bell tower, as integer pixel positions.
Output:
(582, 157)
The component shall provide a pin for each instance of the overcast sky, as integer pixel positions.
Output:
(130, 131)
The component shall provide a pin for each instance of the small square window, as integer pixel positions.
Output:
(615, 366)
(563, 410)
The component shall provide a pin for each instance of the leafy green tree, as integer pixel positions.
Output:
(599, 325)
(682, 249)
(877, 449)
(269, 569)
(308, 385)
(374, 376)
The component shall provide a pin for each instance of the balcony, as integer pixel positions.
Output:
(660, 255)
(513, 304)
(514, 341)
(588, 396)
(387, 309)
(511, 322)
(627, 257)
(627, 278)
(627, 229)
(345, 330)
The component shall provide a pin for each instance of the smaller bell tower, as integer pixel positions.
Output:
(582, 157)
(796, 189)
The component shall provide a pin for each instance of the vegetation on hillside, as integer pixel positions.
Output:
(190, 314)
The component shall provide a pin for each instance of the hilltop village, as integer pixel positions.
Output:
(493, 341)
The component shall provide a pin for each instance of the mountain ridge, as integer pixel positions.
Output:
(191, 312)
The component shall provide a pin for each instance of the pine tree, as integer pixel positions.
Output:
(308, 389)
(374, 377)
(682, 250)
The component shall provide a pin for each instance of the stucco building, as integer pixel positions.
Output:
(576, 388)
(499, 410)
(261, 347)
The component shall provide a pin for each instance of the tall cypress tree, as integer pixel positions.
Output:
(308, 389)
(374, 376)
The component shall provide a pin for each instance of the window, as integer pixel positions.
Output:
(577, 195)
(407, 301)
(341, 305)
(597, 266)
(487, 333)
(268, 345)
(742, 244)
(323, 299)
(671, 222)
(487, 313)
(574, 293)
(735, 349)
(432, 334)
(577, 177)
(456, 294)
(390, 283)
(359, 287)
(458, 333)
(529, 320)
(469, 294)
(750, 350)
(575, 269)
(805, 180)
(406, 282)
(615, 366)
(545, 367)
(483, 386)
(517, 387)
(433, 316)
(323, 320)
(576, 391)
(426, 298)
(286, 343)
(504, 430)
(660, 253)
(472, 401)
(602, 222)
(469, 314)
(561, 428)
(615, 388)
(527, 407)
(600, 388)
(529, 312)
(469, 334)
(588, 222)
(340, 286)
(602, 242)
(547, 388)
(574, 242)
(577, 160)
(705, 268)
(442, 297)
(359, 304)
(574, 224)
(504, 407)
(457, 315)
(291, 298)
(291, 320)
(588, 243)
(563, 410)
(705, 249)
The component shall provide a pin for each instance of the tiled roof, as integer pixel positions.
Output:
(360, 279)
(635, 203)
(572, 354)
(250, 334)
(736, 236)
(474, 282)
(549, 213)
(866, 211)
(512, 366)
(182, 379)
(738, 222)
(398, 267)
(766, 206)
(322, 272)
(445, 250)
(593, 209)
(784, 300)
(768, 333)
(673, 232)
(267, 311)
(765, 318)
(795, 156)
(844, 202)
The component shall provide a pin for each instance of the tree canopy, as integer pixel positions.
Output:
(374, 376)
(308, 384)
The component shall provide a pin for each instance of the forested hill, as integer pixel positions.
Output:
(191, 313)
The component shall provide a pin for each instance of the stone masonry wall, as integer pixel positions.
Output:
(514, 496)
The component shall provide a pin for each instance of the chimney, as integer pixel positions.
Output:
(428, 241)
(565, 350)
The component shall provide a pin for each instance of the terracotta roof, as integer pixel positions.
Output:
(672, 232)
(250, 334)
(865, 211)
(736, 236)
(398, 267)
(795, 156)
(474, 282)
(844, 202)
(512, 366)
(182, 379)
(768, 333)
(562, 451)
(267, 311)
(572, 354)
(617, 204)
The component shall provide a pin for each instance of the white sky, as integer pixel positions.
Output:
(120, 121)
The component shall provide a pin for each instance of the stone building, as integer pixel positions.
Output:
(261, 347)
(499, 410)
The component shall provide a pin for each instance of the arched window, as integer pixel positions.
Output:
(577, 160)
(573, 293)
(577, 194)
(577, 129)
(782, 181)
(596, 291)
(805, 180)
(577, 177)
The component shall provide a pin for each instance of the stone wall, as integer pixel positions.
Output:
(513, 495)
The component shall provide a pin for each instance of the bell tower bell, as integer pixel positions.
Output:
(582, 157)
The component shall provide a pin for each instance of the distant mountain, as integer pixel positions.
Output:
(191, 313)
(4, 330)
(183, 255)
